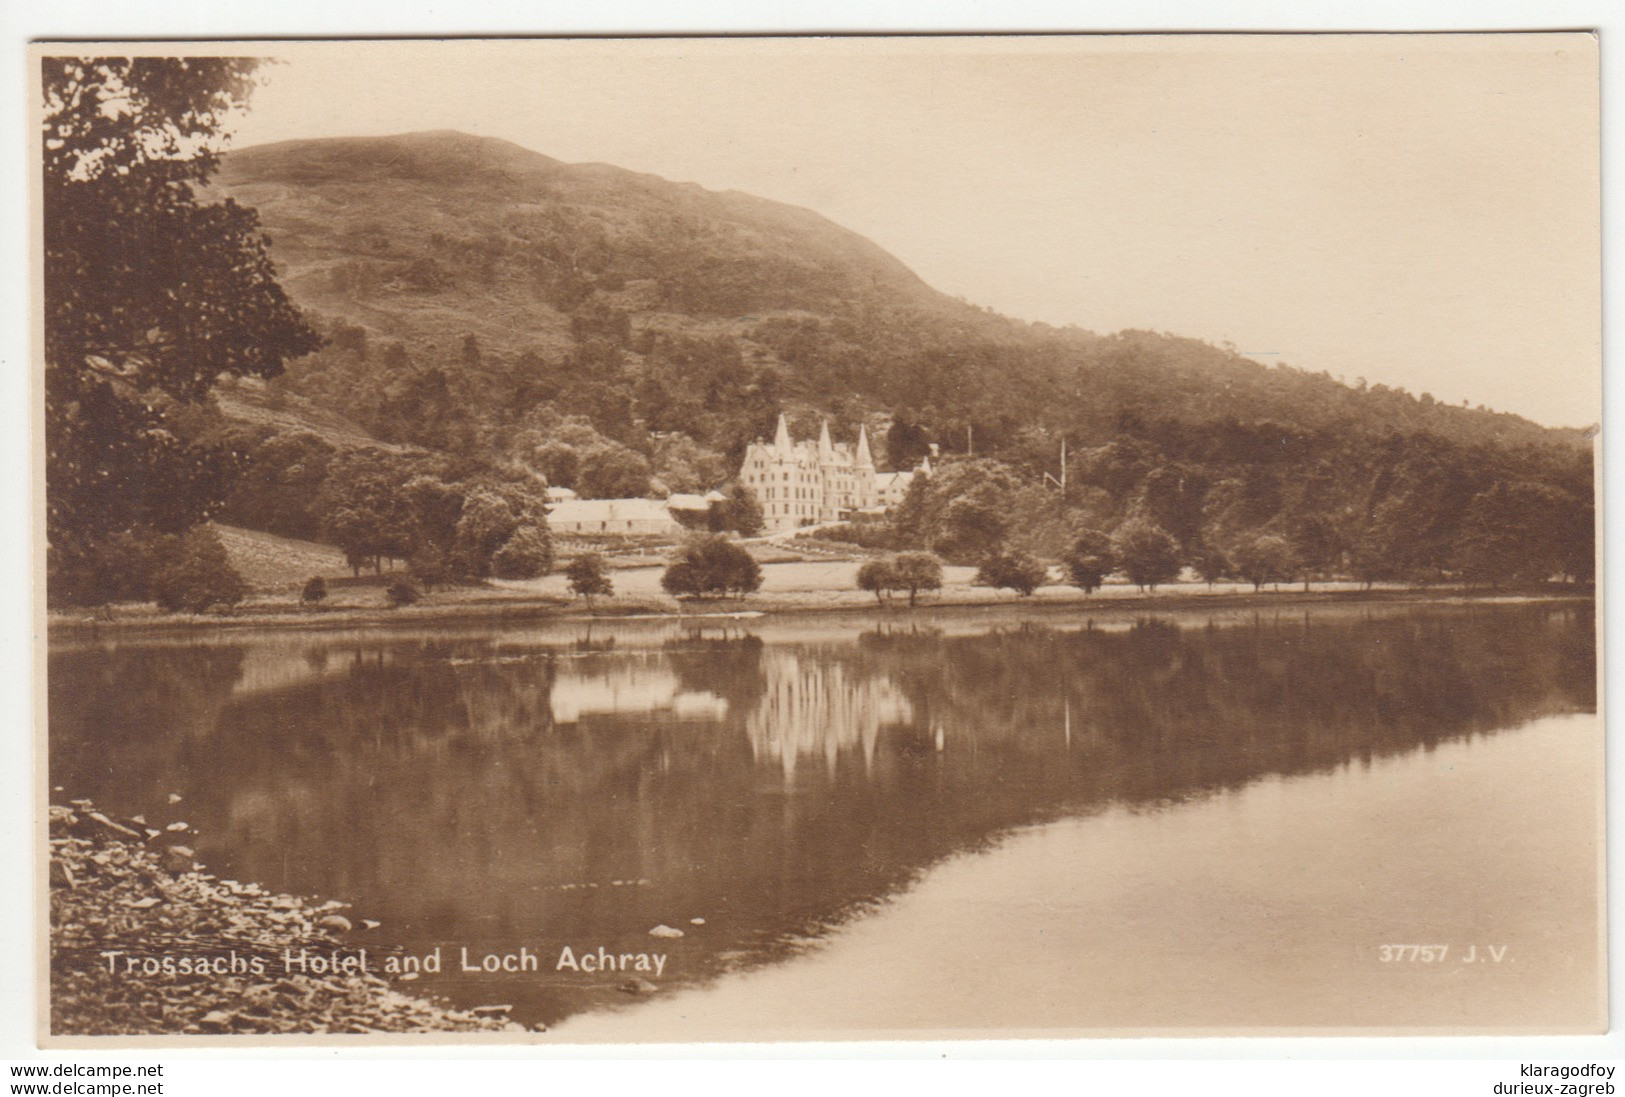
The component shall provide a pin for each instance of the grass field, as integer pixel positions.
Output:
(279, 565)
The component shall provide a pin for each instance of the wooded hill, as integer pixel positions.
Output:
(619, 333)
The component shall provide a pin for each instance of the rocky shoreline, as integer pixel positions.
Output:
(144, 942)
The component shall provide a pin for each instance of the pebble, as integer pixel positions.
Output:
(110, 879)
(178, 859)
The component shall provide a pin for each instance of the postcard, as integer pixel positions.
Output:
(563, 541)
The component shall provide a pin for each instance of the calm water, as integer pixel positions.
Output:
(928, 822)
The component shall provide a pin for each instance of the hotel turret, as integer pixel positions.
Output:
(807, 483)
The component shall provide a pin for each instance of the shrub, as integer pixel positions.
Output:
(315, 591)
(403, 592)
(865, 533)
(193, 573)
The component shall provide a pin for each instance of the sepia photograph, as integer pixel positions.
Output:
(586, 541)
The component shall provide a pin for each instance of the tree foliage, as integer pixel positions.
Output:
(1016, 571)
(709, 565)
(1090, 560)
(1265, 558)
(914, 572)
(150, 294)
(739, 511)
(1523, 532)
(877, 576)
(526, 554)
(1146, 553)
(193, 574)
(587, 577)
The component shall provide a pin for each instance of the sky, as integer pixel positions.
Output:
(1417, 211)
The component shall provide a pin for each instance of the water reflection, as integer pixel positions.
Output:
(500, 789)
(819, 709)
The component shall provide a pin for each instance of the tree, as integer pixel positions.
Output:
(916, 571)
(973, 526)
(960, 512)
(1015, 570)
(681, 579)
(279, 486)
(1517, 533)
(613, 471)
(194, 573)
(150, 294)
(1147, 554)
(1264, 559)
(878, 577)
(428, 565)
(526, 554)
(485, 524)
(587, 577)
(710, 564)
(1090, 560)
(1316, 547)
(739, 512)
(1210, 563)
(364, 510)
(559, 462)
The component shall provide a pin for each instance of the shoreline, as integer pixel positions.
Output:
(116, 896)
(473, 607)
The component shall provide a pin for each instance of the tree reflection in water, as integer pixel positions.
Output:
(496, 792)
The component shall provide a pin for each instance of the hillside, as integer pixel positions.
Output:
(494, 315)
(429, 236)
(562, 273)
